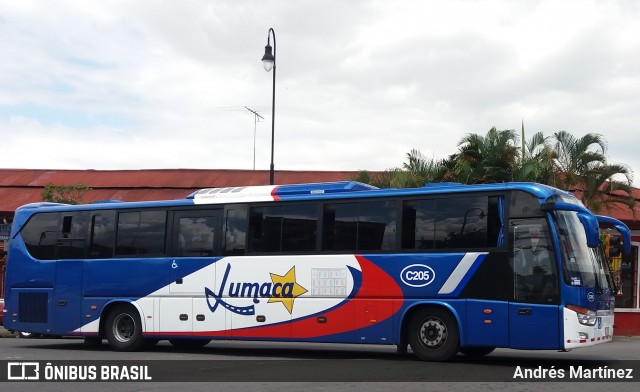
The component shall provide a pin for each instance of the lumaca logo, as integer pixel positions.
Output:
(290, 289)
(282, 288)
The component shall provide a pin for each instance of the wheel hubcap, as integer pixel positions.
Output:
(124, 327)
(433, 333)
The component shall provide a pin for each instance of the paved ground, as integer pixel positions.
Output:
(5, 334)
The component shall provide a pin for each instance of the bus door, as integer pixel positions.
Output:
(534, 315)
(67, 296)
(196, 247)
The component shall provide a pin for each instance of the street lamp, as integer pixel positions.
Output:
(269, 62)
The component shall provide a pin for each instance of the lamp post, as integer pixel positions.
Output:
(269, 62)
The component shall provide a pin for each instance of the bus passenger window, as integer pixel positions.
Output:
(265, 229)
(196, 236)
(299, 227)
(461, 223)
(340, 228)
(418, 224)
(40, 235)
(290, 228)
(376, 225)
(364, 226)
(103, 235)
(74, 232)
(141, 233)
(235, 231)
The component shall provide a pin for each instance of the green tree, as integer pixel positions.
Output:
(421, 170)
(575, 164)
(417, 170)
(68, 194)
(536, 160)
(582, 167)
(486, 159)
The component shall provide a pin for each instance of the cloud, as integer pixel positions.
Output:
(120, 84)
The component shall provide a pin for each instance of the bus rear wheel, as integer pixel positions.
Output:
(433, 335)
(123, 328)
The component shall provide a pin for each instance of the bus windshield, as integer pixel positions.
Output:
(582, 266)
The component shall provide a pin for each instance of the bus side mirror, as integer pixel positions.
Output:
(588, 220)
(622, 229)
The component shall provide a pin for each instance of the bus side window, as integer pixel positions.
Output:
(103, 235)
(196, 236)
(235, 227)
(340, 227)
(265, 229)
(73, 235)
(377, 225)
(141, 233)
(299, 227)
(40, 235)
(290, 228)
(362, 226)
(462, 222)
(418, 224)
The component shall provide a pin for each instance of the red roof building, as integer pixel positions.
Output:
(22, 186)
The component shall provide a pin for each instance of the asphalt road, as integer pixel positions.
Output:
(242, 366)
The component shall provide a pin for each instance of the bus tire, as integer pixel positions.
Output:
(189, 343)
(476, 352)
(433, 335)
(123, 328)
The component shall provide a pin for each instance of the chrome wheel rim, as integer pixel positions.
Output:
(124, 327)
(433, 333)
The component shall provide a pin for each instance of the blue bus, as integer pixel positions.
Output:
(443, 269)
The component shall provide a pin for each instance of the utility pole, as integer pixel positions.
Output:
(255, 121)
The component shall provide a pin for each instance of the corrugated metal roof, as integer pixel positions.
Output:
(162, 178)
(22, 186)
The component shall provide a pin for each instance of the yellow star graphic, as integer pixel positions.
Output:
(286, 289)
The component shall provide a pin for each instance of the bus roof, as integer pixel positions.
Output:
(352, 189)
(312, 191)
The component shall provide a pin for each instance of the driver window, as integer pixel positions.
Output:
(535, 275)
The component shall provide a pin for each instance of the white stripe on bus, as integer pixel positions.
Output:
(459, 273)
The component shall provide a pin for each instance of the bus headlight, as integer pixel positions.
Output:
(585, 316)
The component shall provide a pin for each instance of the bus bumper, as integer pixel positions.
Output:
(578, 334)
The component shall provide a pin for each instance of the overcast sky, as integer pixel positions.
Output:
(164, 84)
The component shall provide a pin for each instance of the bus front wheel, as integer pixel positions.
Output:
(123, 328)
(433, 335)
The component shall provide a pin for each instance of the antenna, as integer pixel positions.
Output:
(255, 121)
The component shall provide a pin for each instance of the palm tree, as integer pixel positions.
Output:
(581, 167)
(421, 170)
(537, 160)
(417, 171)
(486, 159)
(377, 179)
